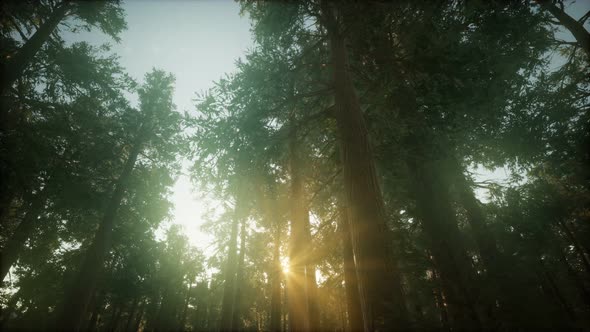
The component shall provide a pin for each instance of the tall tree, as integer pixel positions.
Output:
(156, 104)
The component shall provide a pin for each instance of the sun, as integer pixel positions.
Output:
(285, 264)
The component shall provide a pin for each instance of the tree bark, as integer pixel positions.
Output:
(381, 297)
(227, 305)
(576, 28)
(14, 68)
(296, 278)
(355, 316)
(78, 294)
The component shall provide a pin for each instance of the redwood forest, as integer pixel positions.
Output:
(307, 165)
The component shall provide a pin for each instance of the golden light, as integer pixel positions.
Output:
(285, 264)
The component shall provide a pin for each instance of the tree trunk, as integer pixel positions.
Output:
(556, 293)
(507, 285)
(381, 298)
(440, 303)
(78, 294)
(311, 283)
(227, 305)
(185, 307)
(275, 301)
(11, 251)
(576, 28)
(440, 226)
(131, 314)
(237, 316)
(355, 316)
(296, 278)
(98, 303)
(117, 308)
(138, 319)
(14, 68)
(578, 248)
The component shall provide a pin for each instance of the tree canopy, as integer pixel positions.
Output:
(341, 160)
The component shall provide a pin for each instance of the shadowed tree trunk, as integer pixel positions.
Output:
(227, 305)
(380, 296)
(237, 323)
(275, 301)
(139, 318)
(131, 314)
(512, 288)
(78, 294)
(98, 306)
(11, 251)
(311, 282)
(355, 316)
(576, 244)
(186, 301)
(440, 303)
(440, 226)
(296, 278)
(14, 68)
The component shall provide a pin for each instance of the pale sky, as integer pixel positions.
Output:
(198, 42)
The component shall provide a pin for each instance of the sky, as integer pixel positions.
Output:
(198, 42)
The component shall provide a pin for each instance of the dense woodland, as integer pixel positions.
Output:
(345, 144)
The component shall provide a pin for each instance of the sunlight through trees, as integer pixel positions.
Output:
(338, 169)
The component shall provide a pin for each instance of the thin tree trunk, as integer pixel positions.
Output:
(11, 251)
(311, 283)
(186, 302)
(229, 294)
(78, 295)
(442, 307)
(285, 313)
(131, 314)
(17, 64)
(117, 309)
(439, 223)
(508, 288)
(296, 278)
(557, 294)
(159, 322)
(355, 316)
(98, 304)
(139, 317)
(584, 293)
(576, 28)
(275, 301)
(237, 316)
(381, 298)
(579, 250)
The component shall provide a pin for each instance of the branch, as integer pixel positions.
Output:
(20, 32)
(583, 19)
